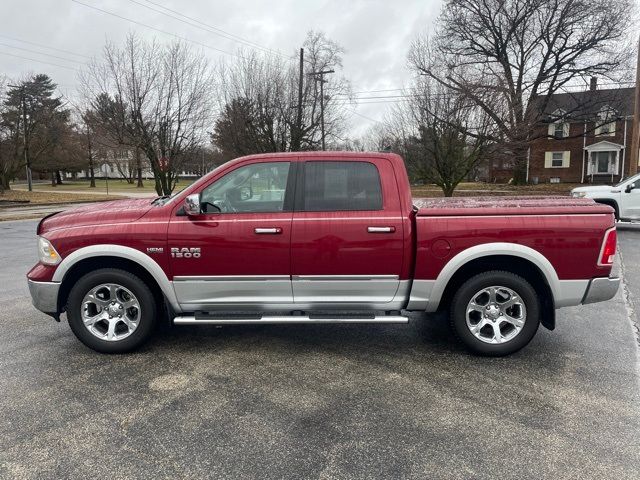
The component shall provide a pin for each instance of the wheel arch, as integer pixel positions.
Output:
(610, 202)
(514, 258)
(94, 257)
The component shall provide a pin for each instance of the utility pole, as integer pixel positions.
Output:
(25, 149)
(298, 135)
(635, 129)
(92, 183)
(319, 77)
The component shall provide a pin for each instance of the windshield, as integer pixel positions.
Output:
(635, 178)
(162, 200)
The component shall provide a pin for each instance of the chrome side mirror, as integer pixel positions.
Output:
(630, 187)
(192, 205)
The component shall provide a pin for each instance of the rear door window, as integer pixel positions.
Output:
(341, 186)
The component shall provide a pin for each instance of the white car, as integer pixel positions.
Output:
(623, 197)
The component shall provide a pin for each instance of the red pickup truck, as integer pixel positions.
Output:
(322, 237)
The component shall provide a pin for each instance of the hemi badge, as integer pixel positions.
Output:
(155, 250)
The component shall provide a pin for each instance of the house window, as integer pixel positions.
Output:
(558, 127)
(605, 123)
(607, 129)
(557, 159)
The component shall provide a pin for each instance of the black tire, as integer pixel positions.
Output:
(468, 291)
(144, 296)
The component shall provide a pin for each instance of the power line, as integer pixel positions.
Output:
(381, 97)
(40, 53)
(378, 91)
(365, 117)
(156, 29)
(41, 61)
(203, 26)
(44, 46)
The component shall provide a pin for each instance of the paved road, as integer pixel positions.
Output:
(317, 401)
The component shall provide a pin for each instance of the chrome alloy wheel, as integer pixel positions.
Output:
(110, 312)
(496, 314)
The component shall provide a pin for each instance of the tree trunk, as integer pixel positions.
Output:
(92, 175)
(58, 178)
(53, 179)
(158, 185)
(5, 183)
(448, 190)
(520, 154)
(139, 169)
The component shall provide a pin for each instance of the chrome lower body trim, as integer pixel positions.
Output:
(420, 294)
(280, 293)
(193, 292)
(570, 293)
(231, 278)
(286, 320)
(44, 295)
(601, 290)
(344, 288)
(338, 278)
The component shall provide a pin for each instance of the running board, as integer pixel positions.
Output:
(288, 319)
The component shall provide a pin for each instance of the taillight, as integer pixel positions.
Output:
(608, 250)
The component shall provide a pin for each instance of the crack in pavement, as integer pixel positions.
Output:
(628, 300)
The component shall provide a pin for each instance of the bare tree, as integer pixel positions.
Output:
(430, 132)
(505, 54)
(154, 97)
(259, 98)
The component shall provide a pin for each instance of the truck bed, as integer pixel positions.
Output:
(522, 205)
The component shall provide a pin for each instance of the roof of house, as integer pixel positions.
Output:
(589, 103)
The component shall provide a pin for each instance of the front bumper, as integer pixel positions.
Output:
(44, 296)
(601, 289)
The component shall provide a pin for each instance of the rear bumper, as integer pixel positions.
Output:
(601, 289)
(44, 295)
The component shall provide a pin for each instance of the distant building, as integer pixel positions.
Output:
(585, 137)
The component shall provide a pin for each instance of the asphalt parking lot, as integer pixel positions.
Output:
(398, 401)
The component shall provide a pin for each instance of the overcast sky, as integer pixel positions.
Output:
(375, 34)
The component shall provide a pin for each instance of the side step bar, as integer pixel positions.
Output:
(287, 319)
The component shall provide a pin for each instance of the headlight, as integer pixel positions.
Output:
(46, 253)
(578, 194)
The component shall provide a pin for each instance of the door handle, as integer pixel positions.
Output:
(381, 229)
(268, 231)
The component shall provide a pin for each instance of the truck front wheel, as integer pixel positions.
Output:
(495, 313)
(111, 310)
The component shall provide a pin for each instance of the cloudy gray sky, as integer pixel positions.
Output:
(375, 33)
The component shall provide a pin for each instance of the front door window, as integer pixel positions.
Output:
(254, 188)
(603, 163)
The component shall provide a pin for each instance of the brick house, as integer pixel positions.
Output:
(585, 137)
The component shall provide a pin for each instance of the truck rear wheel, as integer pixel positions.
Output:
(111, 310)
(495, 313)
